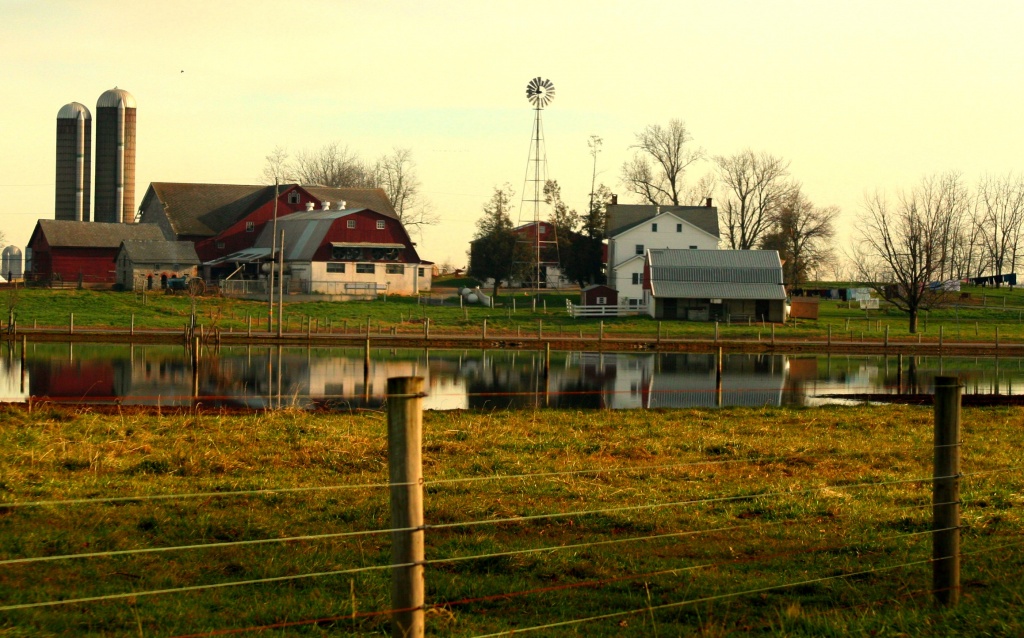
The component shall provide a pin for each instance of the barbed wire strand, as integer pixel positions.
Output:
(338, 535)
(546, 589)
(176, 590)
(162, 497)
(719, 499)
(695, 601)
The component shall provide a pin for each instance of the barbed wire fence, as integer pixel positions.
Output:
(825, 563)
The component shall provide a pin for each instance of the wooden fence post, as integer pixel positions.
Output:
(830, 335)
(405, 465)
(71, 324)
(946, 492)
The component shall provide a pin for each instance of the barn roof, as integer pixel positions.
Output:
(61, 233)
(160, 252)
(204, 210)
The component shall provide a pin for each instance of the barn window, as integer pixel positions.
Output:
(293, 197)
(654, 228)
(335, 266)
(250, 227)
(366, 269)
(394, 269)
(602, 301)
(639, 249)
(351, 223)
(220, 244)
(636, 278)
(380, 224)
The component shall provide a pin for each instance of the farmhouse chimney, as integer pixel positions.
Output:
(708, 203)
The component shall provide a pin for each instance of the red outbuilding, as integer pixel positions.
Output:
(81, 252)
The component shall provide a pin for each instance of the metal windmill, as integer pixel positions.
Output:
(540, 92)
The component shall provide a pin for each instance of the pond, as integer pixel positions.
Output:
(337, 378)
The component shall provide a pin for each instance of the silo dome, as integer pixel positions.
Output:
(72, 111)
(11, 262)
(114, 98)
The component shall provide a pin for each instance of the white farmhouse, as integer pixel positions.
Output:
(634, 229)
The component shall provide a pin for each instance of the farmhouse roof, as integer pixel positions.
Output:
(622, 217)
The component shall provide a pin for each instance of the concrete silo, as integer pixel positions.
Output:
(115, 157)
(74, 163)
(10, 263)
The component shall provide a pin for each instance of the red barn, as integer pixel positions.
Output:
(222, 219)
(83, 252)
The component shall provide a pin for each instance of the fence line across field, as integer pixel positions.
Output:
(407, 485)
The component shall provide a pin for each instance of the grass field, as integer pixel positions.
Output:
(821, 514)
(515, 314)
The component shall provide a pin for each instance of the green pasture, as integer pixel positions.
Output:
(975, 318)
(820, 515)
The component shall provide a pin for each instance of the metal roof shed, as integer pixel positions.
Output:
(706, 285)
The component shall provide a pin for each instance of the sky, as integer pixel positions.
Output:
(857, 96)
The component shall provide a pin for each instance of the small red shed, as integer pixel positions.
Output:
(599, 295)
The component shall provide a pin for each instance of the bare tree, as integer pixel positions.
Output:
(277, 170)
(999, 217)
(900, 250)
(802, 235)
(332, 165)
(396, 174)
(660, 159)
(754, 184)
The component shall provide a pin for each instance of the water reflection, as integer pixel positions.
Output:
(261, 377)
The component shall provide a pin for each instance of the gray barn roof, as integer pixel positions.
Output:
(204, 210)
(161, 252)
(710, 274)
(622, 217)
(75, 234)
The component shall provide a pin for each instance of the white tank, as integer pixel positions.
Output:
(10, 263)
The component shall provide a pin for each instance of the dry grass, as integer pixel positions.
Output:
(814, 518)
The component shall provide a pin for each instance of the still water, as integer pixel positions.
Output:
(261, 377)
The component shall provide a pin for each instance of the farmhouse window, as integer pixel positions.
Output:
(380, 224)
(654, 228)
(693, 248)
(394, 269)
(679, 228)
(365, 269)
(421, 272)
(636, 278)
(639, 249)
(334, 266)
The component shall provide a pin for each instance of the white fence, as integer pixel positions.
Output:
(576, 311)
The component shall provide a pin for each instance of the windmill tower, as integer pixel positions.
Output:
(540, 92)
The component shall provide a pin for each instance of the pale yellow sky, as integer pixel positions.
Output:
(858, 95)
